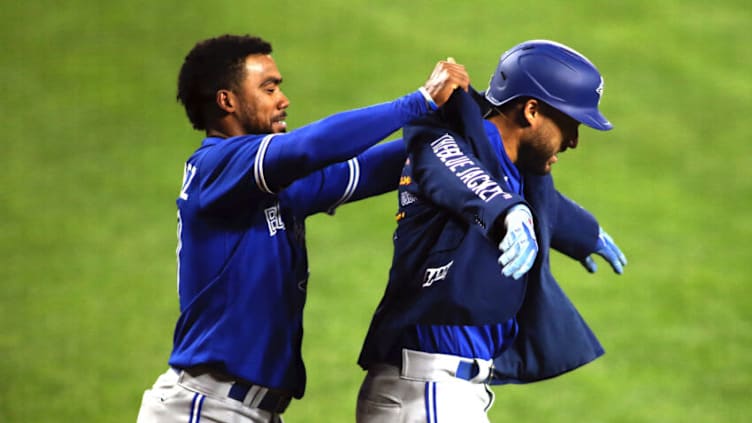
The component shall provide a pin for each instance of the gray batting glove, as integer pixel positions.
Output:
(606, 248)
(519, 246)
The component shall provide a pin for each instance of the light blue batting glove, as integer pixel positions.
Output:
(607, 249)
(519, 246)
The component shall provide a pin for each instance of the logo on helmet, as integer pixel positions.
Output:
(599, 90)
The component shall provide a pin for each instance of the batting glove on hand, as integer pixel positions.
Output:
(519, 246)
(607, 249)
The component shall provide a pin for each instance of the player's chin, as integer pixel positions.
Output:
(279, 127)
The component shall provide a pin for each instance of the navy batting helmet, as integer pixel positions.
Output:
(553, 73)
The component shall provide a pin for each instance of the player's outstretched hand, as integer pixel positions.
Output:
(447, 75)
(607, 249)
(519, 246)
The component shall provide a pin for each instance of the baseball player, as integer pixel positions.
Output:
(246, 191)
(470, 299)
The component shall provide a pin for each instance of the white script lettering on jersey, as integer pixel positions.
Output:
(274, 219)
(475, 178)
(436, 274)
(188, 173)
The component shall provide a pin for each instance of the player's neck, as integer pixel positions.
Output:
(216, 133)
(510, 135)
(225, 127)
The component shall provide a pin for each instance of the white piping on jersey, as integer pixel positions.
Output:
(258, 165)
(352, 184)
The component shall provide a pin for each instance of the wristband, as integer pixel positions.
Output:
(431, 104)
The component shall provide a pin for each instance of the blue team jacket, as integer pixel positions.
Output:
(553, 338)
(445, 268)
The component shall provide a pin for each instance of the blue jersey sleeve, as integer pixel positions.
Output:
(231, 172)
(285, 158)
(218, 177)
(374, 172)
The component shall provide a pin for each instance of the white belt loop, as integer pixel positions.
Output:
(254, 396)
(422, 366)
(205, 383)
(221, 386)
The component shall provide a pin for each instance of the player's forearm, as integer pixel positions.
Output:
(339, 137)
(380, 168)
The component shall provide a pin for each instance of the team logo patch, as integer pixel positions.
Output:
(436, 274)
(274, 219)
(406, 198)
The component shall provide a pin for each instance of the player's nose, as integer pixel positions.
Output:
(284, 102)
(567, 144)
(573, 142)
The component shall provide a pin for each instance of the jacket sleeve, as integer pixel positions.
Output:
(450, 176)
(575, 230)
(553, 338)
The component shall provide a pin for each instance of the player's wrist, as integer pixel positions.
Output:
(429, 100)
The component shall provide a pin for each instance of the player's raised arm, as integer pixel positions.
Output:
(344, 135)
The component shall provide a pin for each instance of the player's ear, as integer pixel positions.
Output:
(226, 100)
(530, 111)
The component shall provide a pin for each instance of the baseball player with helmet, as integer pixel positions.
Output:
(471, 300)
(246, 191)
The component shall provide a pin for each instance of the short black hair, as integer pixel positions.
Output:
(214, 64)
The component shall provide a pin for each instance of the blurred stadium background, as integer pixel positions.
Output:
(94, 144)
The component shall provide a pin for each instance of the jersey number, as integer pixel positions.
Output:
(188, 174)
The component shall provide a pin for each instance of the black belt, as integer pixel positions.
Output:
(271, 401)
(218, 383)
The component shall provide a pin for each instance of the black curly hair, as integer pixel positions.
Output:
(214, 64)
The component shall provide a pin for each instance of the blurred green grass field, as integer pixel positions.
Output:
(92, 160)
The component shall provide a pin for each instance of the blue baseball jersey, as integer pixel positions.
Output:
(242, 262)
